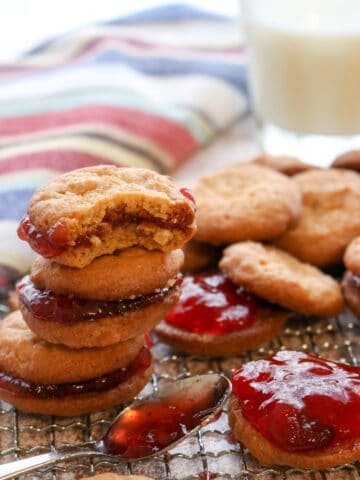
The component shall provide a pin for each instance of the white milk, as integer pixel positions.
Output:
(305, 67)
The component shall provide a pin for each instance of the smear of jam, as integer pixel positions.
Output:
(207, 475)
(148, 428)
(105, 382)
(188, 193)
(300, 402)
(49, 245)
(211, 303)
(49, 306)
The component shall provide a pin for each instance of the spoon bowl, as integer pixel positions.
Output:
(149, 426)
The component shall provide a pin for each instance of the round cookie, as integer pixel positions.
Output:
(352, 257)
(329, 222)
(24, 355)
(282, 163)
(350, 285)
(105, 330)
(269, 454)
(94, 211)
(246, 202)
(268, 324)
(199, 256)
(282, 279)
(131, 272)
(349, 160)
(81, 403)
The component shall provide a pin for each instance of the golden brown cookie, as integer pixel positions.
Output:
(282, 163)
(282, 279)
(105, 330)
(43, 378)
(349, 160)
(199, 256)
(24, 355)
(245, 202)
(352, 256)
(133, 271)
(268, 324)
(329, 222)
(97, 210)
(269, 454)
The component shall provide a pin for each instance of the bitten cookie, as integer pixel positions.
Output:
(282, 163)
(297, 410)
(351, 280)
(246, 202)
(214, 317)
(38, 377)
(282, 279)
(329, 222)
(94, 211)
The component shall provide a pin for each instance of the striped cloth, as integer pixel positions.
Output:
(148, 90)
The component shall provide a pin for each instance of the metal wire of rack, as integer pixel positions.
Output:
(213, 453)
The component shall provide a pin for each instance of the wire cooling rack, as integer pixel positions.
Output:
(212, 453)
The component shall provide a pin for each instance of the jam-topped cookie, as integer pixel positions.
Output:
(39, 377)
(94, 211)
(329, 221)
(298, 410)
(214, 317)
(78, 322)
(245, 202)
(282, 279)
(351, 280)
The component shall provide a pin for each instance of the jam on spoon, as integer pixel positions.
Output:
(299, 402)
(172, 413)
(211, 303)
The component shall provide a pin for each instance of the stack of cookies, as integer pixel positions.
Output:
(109, 240)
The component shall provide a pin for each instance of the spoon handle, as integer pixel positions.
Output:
(19, 467)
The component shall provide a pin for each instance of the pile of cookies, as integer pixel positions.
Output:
(277, 222)
(109, 240)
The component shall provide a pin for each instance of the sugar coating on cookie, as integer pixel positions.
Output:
(96, 210)
(246, 202)
(24, 355)
(352, 256)
(130, 273)
(331, 200)
(282, 279)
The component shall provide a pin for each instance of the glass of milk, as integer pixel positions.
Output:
(304, 72)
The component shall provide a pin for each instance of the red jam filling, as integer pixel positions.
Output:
(148, 428)
(211, 303)
(299, 402)
(49, 245)
(49, 306)
(105, 382)
(189, 194)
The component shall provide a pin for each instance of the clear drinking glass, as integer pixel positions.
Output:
(304, 73)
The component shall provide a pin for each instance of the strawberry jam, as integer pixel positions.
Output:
(211, 303)
(49, 245)
(105, 382)
(49, 306)
(149, 427)
(189, 194)
(299, 402)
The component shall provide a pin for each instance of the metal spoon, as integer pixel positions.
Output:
(147, 427)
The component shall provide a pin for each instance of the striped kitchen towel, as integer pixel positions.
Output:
(147, 90)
